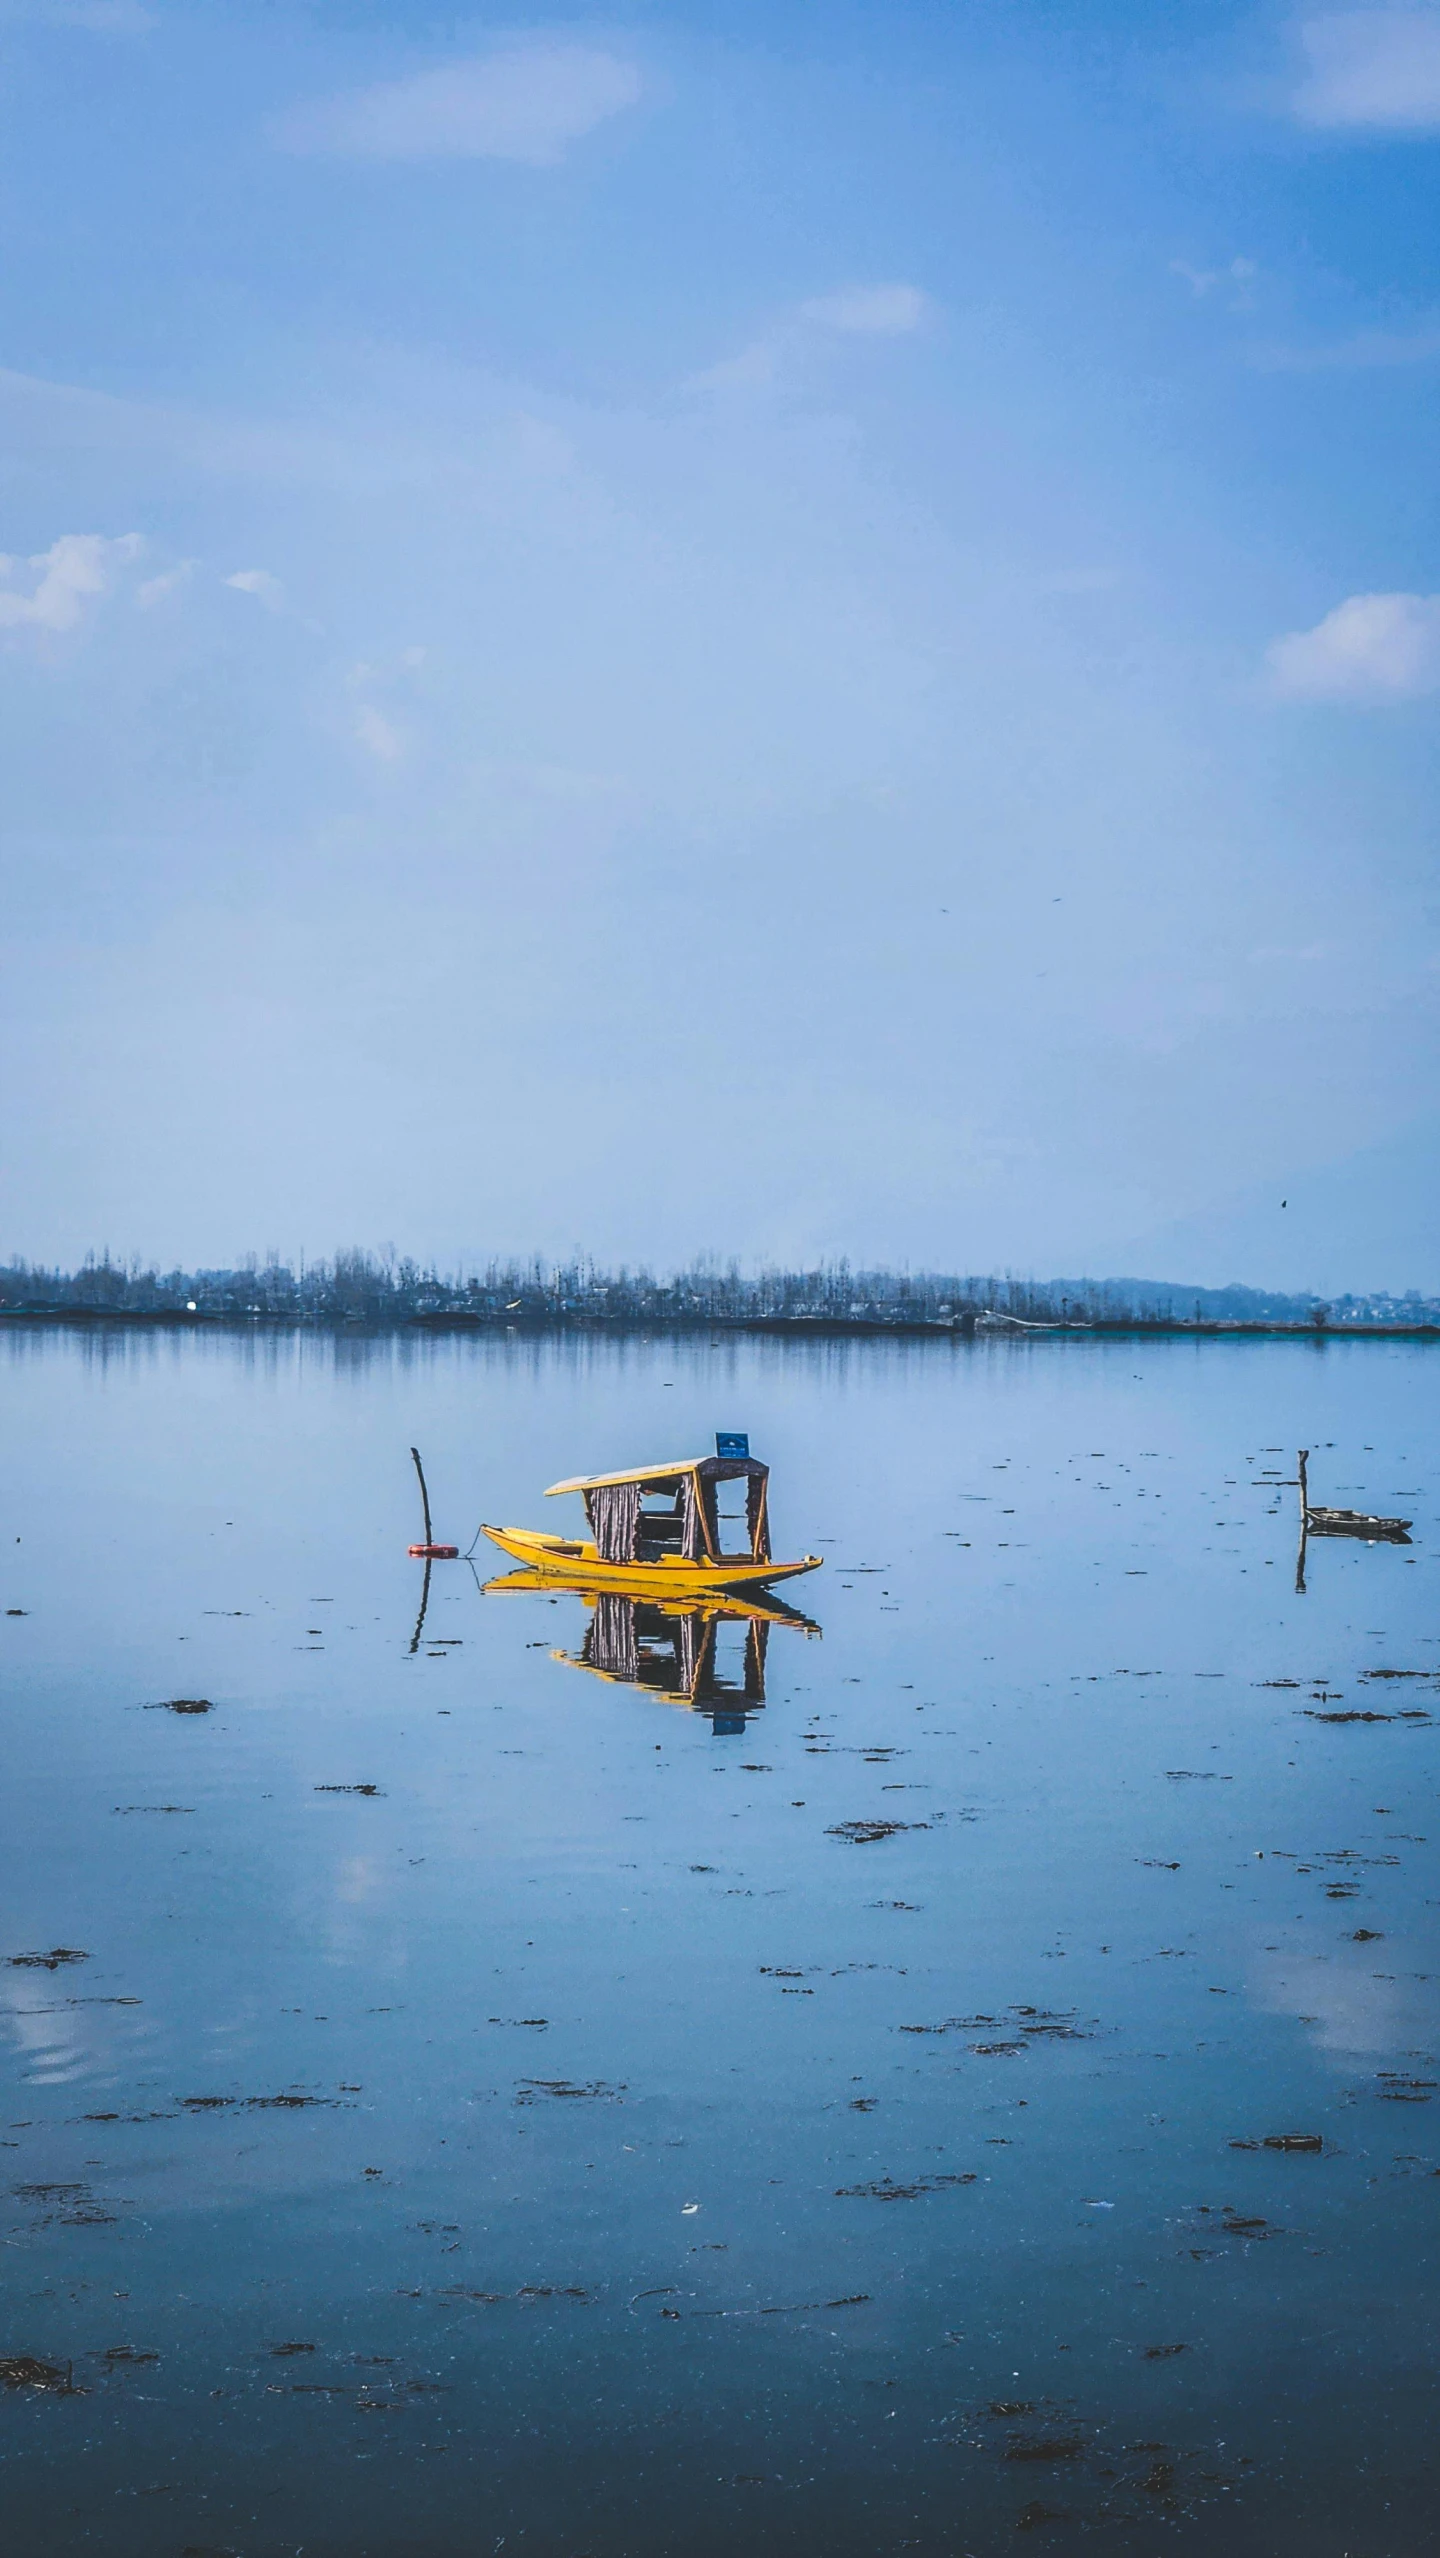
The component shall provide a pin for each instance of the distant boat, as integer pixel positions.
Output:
(656, 1530)
(1347, 1523)
(1341, 1523)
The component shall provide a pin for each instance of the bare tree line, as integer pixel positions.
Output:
(386, 1291)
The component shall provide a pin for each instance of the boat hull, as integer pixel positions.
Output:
(568, 1559)
(758, 1607)
(1356, 1523)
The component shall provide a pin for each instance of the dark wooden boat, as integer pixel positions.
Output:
(1348, 1523)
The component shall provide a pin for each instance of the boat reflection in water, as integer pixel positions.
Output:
(708, 1656)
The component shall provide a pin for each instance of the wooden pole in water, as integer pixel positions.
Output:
(424, 1495)
(1304, 1487)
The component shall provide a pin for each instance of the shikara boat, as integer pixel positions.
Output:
(656, 1530)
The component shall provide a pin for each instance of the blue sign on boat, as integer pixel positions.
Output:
(732, 1443)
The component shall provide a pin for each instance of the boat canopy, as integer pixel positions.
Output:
(686, 1522)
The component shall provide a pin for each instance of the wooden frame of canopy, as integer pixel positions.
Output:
(685, 1527)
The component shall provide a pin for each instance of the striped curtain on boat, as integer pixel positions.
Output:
(613, 1510)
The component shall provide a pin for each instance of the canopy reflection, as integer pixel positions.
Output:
(673, 1651)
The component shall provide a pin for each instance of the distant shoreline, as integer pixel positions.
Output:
(785, 1327)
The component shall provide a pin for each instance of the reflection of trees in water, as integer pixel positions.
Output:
(652, 1647)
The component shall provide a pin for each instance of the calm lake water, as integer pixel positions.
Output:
(500, 2107)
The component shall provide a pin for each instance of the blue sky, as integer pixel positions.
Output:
(788, 630)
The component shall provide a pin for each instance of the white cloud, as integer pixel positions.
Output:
(154, 590)
(528, 101)
(1372, 648)
(259, 583)
(379, 734)
(74, 572)
(1371, 67)
(869, 310)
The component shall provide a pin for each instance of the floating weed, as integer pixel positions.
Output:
(865, 1833)
(885, 2189)
(598, 2090)
(27, 2371)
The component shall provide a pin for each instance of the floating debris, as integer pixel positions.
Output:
(1353, 1714)
(287, 2103)
(886, 2190)
(181, 1705)
(527, 2291)
(27, 2371)
(1032, 2024)
(72, 2206)
(50, 1962)
(596, 2088)
(864, 1833)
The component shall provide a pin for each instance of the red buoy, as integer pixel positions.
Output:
(447, 1553)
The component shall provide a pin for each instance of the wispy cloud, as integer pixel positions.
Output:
(869, 310)
(258, 582)
(1238, 276)
(526, 101)
(1371, 68)
(72, 575)
(154, 590)
(379, 735)
(856, 310)
(1372, 648)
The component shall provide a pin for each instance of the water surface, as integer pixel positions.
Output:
(500, 2106)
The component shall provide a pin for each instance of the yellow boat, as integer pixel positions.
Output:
(670, 1548)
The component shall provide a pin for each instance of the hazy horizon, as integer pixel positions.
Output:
(794, 632)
